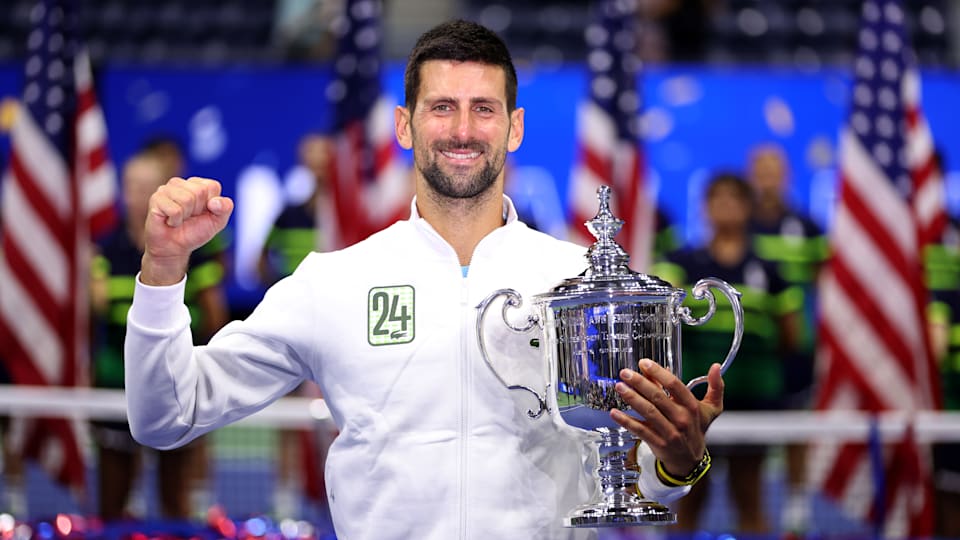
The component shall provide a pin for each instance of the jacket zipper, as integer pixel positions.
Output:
(464, 404)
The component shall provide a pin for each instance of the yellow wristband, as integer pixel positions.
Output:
(695, 475)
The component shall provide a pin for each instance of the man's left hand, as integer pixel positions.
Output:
(674, 422)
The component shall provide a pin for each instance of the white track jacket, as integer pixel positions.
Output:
(431, 444)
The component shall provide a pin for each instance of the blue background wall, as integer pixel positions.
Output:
(696, 119)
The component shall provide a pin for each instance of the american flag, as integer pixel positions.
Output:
(58, 164)
(874, 352)
(368, 183)
(608, 134)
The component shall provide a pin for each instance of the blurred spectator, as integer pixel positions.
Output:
(298, 230)
(755, 380)
(942, 260)
(781, 234)
(112, 278)
(301, 227)
(797, 248)
(168, 151)
(942, 265)
(944, 318)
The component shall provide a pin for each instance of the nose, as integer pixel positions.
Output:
(462, 124)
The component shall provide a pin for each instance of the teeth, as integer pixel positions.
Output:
(455, 155)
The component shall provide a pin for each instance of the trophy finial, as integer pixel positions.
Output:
(604, 226)
(603, 194)
(606, 256)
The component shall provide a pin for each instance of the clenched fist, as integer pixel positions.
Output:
(183, 215)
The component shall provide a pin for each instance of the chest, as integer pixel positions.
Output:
(410, 336)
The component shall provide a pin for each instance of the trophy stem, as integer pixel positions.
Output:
(618, 503)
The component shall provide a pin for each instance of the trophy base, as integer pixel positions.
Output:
(620, 514)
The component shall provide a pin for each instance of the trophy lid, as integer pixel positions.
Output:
(608, 274)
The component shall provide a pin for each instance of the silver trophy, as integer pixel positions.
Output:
(591, 327)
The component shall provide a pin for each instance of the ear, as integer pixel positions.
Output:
(401, 125)
(516, 130)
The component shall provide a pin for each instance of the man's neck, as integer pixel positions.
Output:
(462, 222)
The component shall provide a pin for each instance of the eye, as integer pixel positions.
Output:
(486, 109)
(442, 107)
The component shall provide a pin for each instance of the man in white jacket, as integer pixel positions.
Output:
(431, 445)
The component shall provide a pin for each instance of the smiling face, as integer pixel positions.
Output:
(459, 128)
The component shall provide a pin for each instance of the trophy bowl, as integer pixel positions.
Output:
(591, 327)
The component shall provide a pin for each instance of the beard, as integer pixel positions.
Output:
(461, 183)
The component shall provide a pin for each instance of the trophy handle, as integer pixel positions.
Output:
(701, 291)
(513, 300)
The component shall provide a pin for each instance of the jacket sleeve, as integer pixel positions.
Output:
(649, 485)
(177, 392)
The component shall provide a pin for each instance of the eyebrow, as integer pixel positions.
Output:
(473, 100)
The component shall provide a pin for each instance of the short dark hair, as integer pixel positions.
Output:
(732, 179)
(162, 142)
(460, 41)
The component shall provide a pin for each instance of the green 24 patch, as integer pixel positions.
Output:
(390, 315)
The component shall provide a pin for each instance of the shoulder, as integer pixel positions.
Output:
(762, 274)
(298, 216)
(547, 243)
(119, 250)
(116, 239)
(768, 267)
(541, 247)
(386, 243)
(802, 223)
(677, 266)
(690, 257)
(950, 298)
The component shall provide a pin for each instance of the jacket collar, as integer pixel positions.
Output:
(509, 210)
(488, 244)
